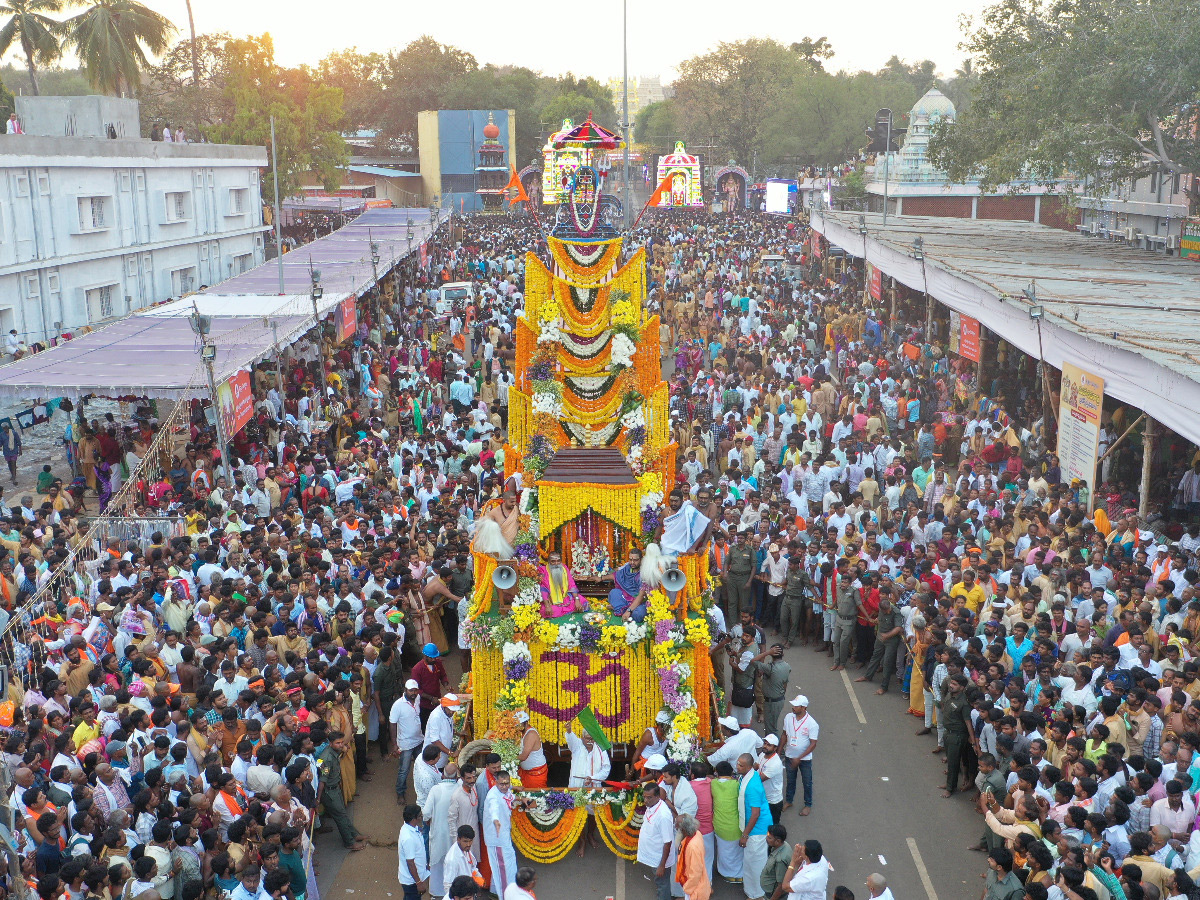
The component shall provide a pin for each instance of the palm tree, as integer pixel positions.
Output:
(38, 33)
(112, 38)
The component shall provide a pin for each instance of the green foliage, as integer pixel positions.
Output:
(415, 79)
(112, 38)
(307, 114)
(170, 94)
(822, 119)
(55, 82)
(38, 33)
(655, 128)
(360, 78)
(1104, 89)
(730, 94)
(814, 52)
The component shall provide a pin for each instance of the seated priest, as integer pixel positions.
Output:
(560, 596)
(628, 597)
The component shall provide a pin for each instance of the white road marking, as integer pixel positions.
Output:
(921, 870)
(882, 860)
(862, 720)
(619, 890)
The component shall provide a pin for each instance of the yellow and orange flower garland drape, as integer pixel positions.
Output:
(559, 503)
(550, 842)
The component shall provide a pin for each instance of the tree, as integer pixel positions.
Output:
(415, 79)
(187, 85)
(822, 119)
(961, 88)
(656, 127)
(728, 94)
(813, 52)
(921, 75)
(112, 38)
(504, 87)
(38, 33)
(1103, 89)
(307, 115)
(360, 76)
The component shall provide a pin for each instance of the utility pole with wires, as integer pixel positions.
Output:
(202, 325)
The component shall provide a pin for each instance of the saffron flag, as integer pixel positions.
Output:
(659, 191)
(515, 183)
(587, 719)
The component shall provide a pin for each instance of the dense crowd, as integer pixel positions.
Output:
(188, 711)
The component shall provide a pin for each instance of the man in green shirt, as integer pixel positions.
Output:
(1001, 883)
(992, 781)
(779, 857)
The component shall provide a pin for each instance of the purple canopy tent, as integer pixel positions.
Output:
(153, 353)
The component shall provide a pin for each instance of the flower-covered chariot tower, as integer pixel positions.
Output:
(586, 638)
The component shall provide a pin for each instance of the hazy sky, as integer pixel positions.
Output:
(531, 32)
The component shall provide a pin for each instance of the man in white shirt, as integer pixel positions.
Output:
(414, 868)
(738, 740)
(770, 769)
(496, 823)
(800, 735)
(590, 764)
(405, 719)
(656, 840)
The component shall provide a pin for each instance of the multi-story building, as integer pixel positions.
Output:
(1147, 213)
(97, 222)
(642, 92)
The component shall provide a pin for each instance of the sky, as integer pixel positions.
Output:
(551, 38)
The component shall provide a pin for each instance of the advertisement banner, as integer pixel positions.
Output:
(814, 241)
(876, 282)
(345, 319)
(1189, 240)
(424, 253)
(1079, 424)
(968, 338)
(235, 401)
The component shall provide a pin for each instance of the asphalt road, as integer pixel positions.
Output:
(878, 808)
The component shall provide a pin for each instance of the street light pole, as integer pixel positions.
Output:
(208, 354)
(626, 206)
(317, 292)
(278, 216)
(375, 272)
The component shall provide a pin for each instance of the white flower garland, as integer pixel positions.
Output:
(622, 350)
(547, 403)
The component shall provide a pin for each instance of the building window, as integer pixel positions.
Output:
(183, 281)
(93, 214)
(239, 201)
(100, 303)
(243, 263)
(22, 186)
(178, 206)
(1175, 184)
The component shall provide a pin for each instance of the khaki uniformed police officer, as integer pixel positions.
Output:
(738, 577)
(329, 791)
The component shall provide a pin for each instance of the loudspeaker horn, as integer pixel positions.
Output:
(674, 580)
(504, 577)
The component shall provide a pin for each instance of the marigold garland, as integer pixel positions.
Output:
(585, 275)
(481, 599)
(560, 503)
(620, 837)
(548, 846)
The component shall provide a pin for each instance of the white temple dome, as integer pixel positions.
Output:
(934, 105)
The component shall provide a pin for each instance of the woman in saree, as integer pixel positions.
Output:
(89, 453)
(918, 647)
(342, 719)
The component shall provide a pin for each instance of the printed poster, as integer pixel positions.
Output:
(1079, 424)
(235, 401)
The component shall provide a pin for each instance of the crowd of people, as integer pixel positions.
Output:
(187, 708)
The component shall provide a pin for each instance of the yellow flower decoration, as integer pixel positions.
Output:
(549, 309)
(526, 615)
(612, 639)
(651, 482)
(697, 632)
(546, 632)
(686, 722)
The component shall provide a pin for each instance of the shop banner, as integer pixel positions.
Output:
(1079, 424)
(968, 338)
(876, 276)
(424, 254)
(345, 319)
(235, 401)
(1189, 239)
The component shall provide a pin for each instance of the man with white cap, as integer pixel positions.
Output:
(405, 719)
(590, 766)
(439, 729)
(738, 740)
(800, 735)
(770, 769)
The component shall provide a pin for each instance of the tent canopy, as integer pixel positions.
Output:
(1124, 314)
(154, 352)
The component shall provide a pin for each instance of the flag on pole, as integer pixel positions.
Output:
(659, 191)
(514, 183)
(587, 719)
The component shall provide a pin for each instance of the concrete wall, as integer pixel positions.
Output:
(88, 116)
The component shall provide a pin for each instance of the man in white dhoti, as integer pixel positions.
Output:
(754, 817)
(436, 812)
(497, 834)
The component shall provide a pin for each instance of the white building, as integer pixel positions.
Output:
(1147, 213)
(96, 222)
